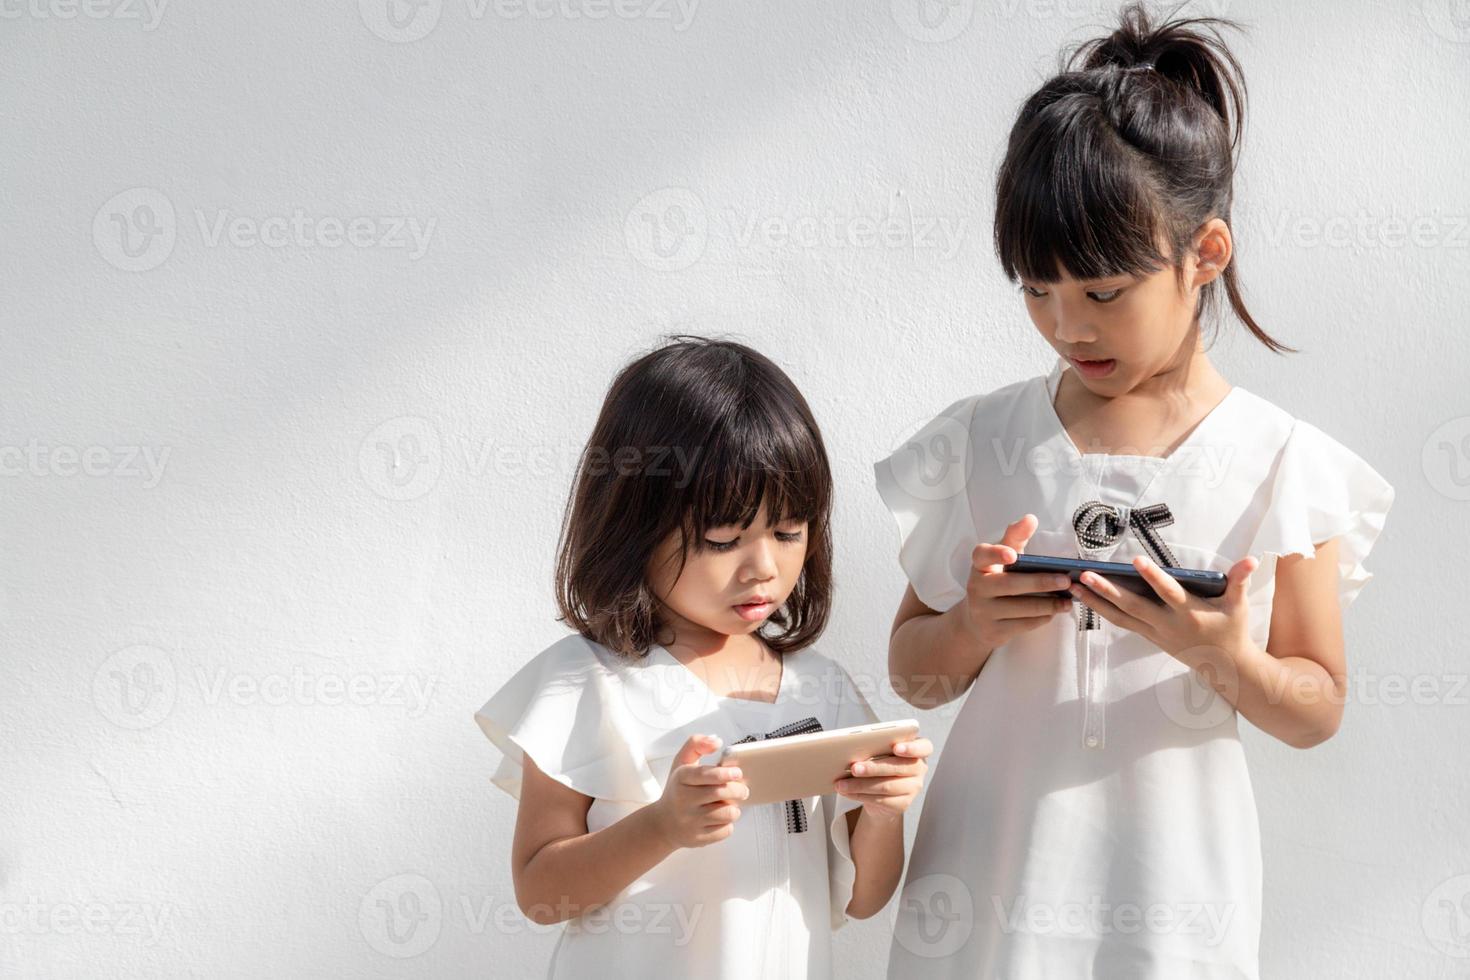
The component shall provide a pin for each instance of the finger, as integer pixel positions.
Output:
(991, 557)
(1020, 532)
(709, 775)
(1108, 611)
(1238, 578)
(878, 787)
(730, 792)
(694, 747)
(914, 748)
(887, 765)
(1165, 586)
(721, 813)
(1022, 607)
(1131, 603)
(1021, 583)
(707, 796)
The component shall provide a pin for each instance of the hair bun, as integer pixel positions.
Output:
(1188, 51)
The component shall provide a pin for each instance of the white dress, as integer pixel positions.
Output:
(1091, 814)
(764, 901)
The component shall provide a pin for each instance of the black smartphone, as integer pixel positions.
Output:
(1205, 584)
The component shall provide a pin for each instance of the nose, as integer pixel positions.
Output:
(1072, 324)
(760, 562)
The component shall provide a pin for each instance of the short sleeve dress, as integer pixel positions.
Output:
(1091, 814)
(761, 903)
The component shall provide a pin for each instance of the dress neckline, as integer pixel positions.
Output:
(782, 686)
(1050, 385)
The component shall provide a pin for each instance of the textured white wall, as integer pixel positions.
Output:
(247, 246)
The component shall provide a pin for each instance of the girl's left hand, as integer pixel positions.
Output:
(1193, 630)
(887, 785)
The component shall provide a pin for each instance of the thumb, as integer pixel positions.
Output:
(694, 747)
(1237, 580)
(1020, 532)
(989, 558)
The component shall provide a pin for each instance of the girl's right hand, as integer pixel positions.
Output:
(1000, 605)
(700, 804)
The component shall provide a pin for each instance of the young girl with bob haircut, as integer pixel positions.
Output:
(696, 567)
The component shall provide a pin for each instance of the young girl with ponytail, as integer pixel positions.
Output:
(1092, 814)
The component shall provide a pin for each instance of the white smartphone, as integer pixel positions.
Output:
(799, 766)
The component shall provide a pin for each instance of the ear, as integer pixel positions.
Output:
(1212, 248)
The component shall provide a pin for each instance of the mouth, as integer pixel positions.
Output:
(756, 608)
(1094, 369)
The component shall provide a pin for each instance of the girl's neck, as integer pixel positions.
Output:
(1149, 419)
(731, 665)
(689, 640)
(1189, 378)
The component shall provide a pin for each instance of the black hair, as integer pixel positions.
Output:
(1134, 142)
(691, 436)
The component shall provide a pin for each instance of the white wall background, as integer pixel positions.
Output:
(241, 653)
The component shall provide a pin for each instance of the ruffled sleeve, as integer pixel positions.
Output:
(852, 709)
(565, 711)
(1322, 490)
(925, 484)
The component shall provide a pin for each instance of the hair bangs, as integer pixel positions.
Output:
(759, 459)
(1074, 199)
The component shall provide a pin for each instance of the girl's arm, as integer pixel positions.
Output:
(877, 852)
(561, 871)
(886, 786)
(934, 657)
(1295, 688)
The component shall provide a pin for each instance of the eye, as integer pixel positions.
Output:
(1032, 291)
(721, 545)
(789, 537)
(1105, 296)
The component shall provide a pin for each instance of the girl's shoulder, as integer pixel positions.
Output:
(933, 456)
(1293, 440)
(566, 672)
(995, 406)
(811, 666)
(568, 708)
(574, 657)
(1310, 488)
(843, 694)
(947, 436)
